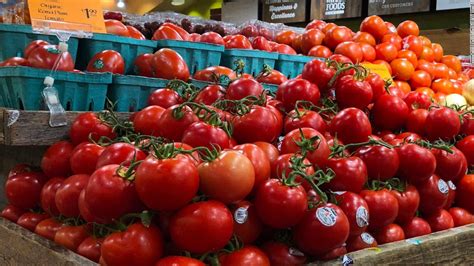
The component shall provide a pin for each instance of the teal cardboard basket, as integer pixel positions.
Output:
(130, 93)
(196, 54)
(21, 87)
(129, 48)
(270, 87)
(292, 65)
(253, 59)
(14, 39)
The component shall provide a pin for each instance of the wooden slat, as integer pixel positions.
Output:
(31, 128)
(454, 247)
(21, 247)
(454, 41)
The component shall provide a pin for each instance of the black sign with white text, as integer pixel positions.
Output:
(284, 11)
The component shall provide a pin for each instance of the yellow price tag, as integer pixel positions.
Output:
(380, 69)
(68, 15)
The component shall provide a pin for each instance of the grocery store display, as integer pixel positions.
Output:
(260, 146)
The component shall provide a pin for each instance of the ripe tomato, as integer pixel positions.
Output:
(165, 32)
(145, 121)
(55, 161)
(47, 228)
(427, 54)
(280, 205)
(382, 163)
(108, 195)
(212, 37)
(351, 125)
(368, 51)
(67, 195)
(120, 153)
(461, 216)
(137, 245)
(135, 33)
(247, 225)
(84, 158)
(14, 61)
(416, 100)
(201, 227)
(375, 26)
(410, 56)
(260, 124)
(389, 112)
(168, 64)
(319, 73)
(281, 254)
(285, 37)
(402, 69)
(274, 77)
(32, 46)
(426, 66)
(328, 27)
(316, 24)
(293, 90)
(310, 39)
(249, 255)
(337, 35)
(242, 88)
(143, 65)
(261, 43)
(414, 44)
(116, 27)
(350, 174)
(12, 213)
(164, 98)
(386, 51)
(179, 260)
(383, 207)
(452, 62)
(304, 118)
(362, 241)
(416, 227)
(71, 237)
(89, 125)
(351, 92)
(451, 195)
(394, 39)
(29, 220)
(283, 49)
(407, 28)
(411, 156)
(390, 233)
(356, 210)
(320, 51)
(238, 42)
(48, 194)
(420, 78)
(438, 51)
(318, 153)
(24, 190)
(465, 192)
(45, 56)
(433, 194)
(442, 123)
(408, 202)
(427, 91)
(328, 223)
(350, 49)
(201, 134)
(208, 74)
(107, 61)
(450, 166)
(440, 220)
(364, 37)
(441, 71)
(260, 162)
(210, 94)
(90, 248)
(270, 151)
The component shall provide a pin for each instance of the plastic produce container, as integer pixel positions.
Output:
(253, 59)
(196, 54)
(129, 48)
(21, 87)
(14, 39)
(130, 93)
(292, 65)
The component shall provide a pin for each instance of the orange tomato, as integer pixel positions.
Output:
(403, 86)
(426, 41)
(285, 37)
(420, 78)
(410, 55)
(441, 71)
(386, 51)
(413, 43)
(438, 51)
(452, 62)
(393, 38)
(427, 54)
(350, 49)
(402, 69)
(457, 86)
(427, 91)
(426, 66)
(310, 39)
(463, 77)
(336, 36)
(452, 74)
(364, 37)
(320, 51)
(368, 51)
(329, 27)
(375, 26)
(297, 42)
(440, 97)
(442, 85)
(116, 27)
(407, 28)
(382, 62)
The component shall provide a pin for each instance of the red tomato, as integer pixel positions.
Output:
(107, 61)
(210, 94)
(320, 51)
(89, 125)
(442, 123)
(316, 24)
(274, 77)
(390, 233)
(84, 158)
(440, 220)
(417, 100)
(165, 32)
(249, 255)
(242, 88)
(427, 66)
(407, 28)
(247, 225)
(285, 37)
(45, 56)
(145, 121)
(386, 51)
(29, 220)
(90, 248)
(283, 168)
(402, 69)
(67, 195)
(48, 194)
(416, 227)
(260, 43)
(293, 90)
(414, 44)
(179, 260)
(356, 210)
(171, 127)
(351, 125)
(368, 51)
(450, 166)
(465, 193)
(375, 26)
(282, 255)
(461, 216)
(238, 42)
(351, 92)
(319, 73)
(362, 241)
(408, 202)
(420, 78)
(304, 118)
(438, 51)
(416, 121)
(394, 39)
(410, 56)
(382, 163)
(120, 153)
(143, 65)
(135, 33)
(14, 61)
(270, 151)
(47, 228)
(168, 64)
(71, 237)
(452, 62)
(12, 213)
(116, 27)
(389, 112)
(201, 134)
(108, 195)
(283, 49)
(260, 162)
(164, 98)
(310, 39)
(328, 224)
(377, 84)
(411, 156)
(433, 194)
(427, 54)
(212, 37)
(336, 36)
(383, 207)
(317, 152)
(32, 46)
(23, 190)
(280, 205)
(364, 37)
(137, 245)
(260, 124)
(350, 49)
(202, 227)
(350, 174)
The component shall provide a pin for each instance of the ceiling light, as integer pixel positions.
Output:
(120, 4)
(177, 2)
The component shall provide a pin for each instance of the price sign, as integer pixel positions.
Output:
(67, 15)
(378, 69)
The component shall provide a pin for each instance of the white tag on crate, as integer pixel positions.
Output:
(57, 117)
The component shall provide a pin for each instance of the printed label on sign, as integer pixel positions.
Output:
(367, 238)
(443, 187)
(295, 252)
(362, 217)
(84, 15)
(379, 69)
(451, 185)
(241, 215)
(326, 215)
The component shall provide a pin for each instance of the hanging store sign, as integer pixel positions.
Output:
(389, 7)
(451, 4)
(284, 11)
(335, 9)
